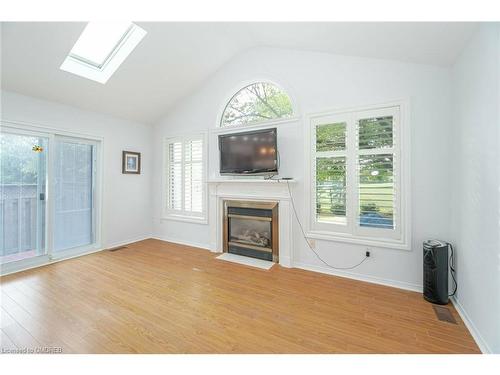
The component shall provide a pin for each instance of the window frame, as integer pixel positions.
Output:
(315, 122)
(244, 84)
(56, 254)
(183, 215)
(352, 232)
(396, 166)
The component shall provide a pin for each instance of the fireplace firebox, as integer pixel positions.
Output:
(251, 229)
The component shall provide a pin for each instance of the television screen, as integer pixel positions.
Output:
(252, 152)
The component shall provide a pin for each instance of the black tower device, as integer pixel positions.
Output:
(436, 271)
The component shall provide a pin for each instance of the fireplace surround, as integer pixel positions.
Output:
(251, 228)
(254, 190)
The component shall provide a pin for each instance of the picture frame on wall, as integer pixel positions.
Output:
(131, 162)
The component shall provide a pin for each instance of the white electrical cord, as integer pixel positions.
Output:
(305, 237)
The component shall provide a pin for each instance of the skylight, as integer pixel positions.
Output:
(101, 49)
(99, 40)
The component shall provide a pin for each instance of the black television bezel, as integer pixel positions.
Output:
(266, 172)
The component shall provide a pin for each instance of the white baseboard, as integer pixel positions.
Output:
(126, 242)
(481, 343)
(183, 242)
(349, 275)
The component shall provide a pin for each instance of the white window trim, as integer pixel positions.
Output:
(51, 133)
(347, 233)
(175, 215)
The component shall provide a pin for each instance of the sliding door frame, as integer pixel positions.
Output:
(23, 128)
(95, 182)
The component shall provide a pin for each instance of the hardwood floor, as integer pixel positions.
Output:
(158, 297)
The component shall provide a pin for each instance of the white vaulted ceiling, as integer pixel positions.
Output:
(175, 58)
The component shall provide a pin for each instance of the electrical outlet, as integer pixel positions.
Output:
(312, 242)
(368, 252)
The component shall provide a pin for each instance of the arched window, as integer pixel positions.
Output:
(258, 102)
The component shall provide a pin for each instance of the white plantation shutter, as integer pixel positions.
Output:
(193, 176)
(356, 175)
(185, 177)
(174, 173)
(376, 174)
(330, 182)
(376, 197)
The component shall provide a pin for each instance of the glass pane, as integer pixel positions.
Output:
(331, 137)
(23, 161)
(376, 191)
(257, 102)
(73, 195)
(331, 190)
(250, 232)
(376, 132)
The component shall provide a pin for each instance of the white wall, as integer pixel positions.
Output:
(126, 198)
(318, 82)
(458, 154)
(475, 184)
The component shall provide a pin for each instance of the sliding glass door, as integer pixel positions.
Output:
(23, 188)
(74, 172)
(48, 197)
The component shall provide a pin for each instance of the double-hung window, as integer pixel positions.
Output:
(356, 172)
(185, 178)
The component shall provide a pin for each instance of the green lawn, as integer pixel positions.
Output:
(380, 194)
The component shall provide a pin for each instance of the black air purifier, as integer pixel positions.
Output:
(436, 271)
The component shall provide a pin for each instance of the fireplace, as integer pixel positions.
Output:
(251, 229)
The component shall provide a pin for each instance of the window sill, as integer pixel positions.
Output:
(364, 241)
(186, 219)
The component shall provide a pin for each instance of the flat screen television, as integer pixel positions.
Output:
(249, 153)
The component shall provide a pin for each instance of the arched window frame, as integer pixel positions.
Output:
(236, 90)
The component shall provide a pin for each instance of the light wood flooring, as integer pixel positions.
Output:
(158, 297)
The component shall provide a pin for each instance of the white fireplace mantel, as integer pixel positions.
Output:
(252, 190)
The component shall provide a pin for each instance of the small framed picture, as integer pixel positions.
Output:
(131, 162)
